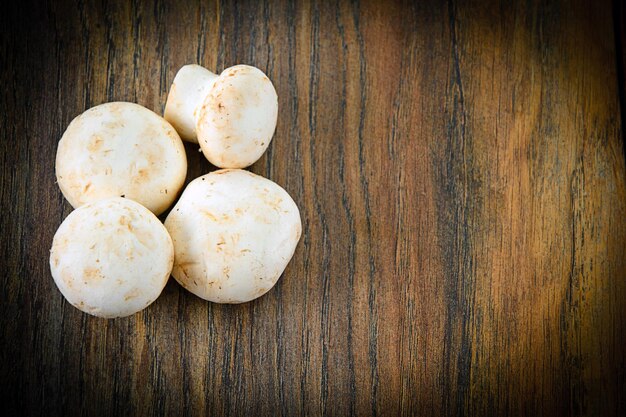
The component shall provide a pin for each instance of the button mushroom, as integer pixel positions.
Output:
(234, 233)
(233, 115)
(111, 258)
(121, 149)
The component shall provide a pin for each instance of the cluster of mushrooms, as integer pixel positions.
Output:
(227, 239)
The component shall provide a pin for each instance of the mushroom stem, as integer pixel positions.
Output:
(189, 89)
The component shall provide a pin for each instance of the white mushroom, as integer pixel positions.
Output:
(121, 149)
(233, 115)
(234, 233)
(111, 258)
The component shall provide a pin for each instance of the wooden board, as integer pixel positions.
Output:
(461, 178)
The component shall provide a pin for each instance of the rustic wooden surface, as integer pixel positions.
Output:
(461, 177)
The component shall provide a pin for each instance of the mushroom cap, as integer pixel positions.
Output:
(121, 149)
(234, 233)
(237, 120)
(111, 258)
(190, 87)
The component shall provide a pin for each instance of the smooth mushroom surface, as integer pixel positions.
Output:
(234, 233)
(121, 149)
(111, 258)
(191, 85)
(232, 116)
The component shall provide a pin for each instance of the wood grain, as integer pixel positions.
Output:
(461, 178)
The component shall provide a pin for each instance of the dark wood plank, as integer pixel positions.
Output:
(461, 178)
(619, 23)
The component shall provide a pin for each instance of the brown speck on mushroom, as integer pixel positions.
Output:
(92, 274)
(210, 215)
(143, 173)
(131, 294)
(95, 144)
